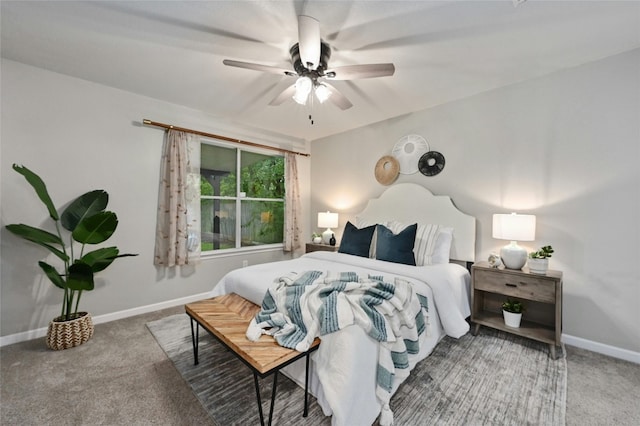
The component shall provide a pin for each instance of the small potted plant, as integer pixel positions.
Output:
(512, 313)
(316, 238)
(539, 260)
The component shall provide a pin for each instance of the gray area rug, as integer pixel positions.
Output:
(493, 378)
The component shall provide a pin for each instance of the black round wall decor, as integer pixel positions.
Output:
(431, 163)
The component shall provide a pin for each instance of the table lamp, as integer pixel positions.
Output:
(327, 220)
(514, 227)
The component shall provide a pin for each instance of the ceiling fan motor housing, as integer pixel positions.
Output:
(302, 70)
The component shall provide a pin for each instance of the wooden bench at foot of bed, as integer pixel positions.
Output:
(227, 318)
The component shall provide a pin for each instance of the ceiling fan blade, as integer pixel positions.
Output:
(354, 72)
(338, 98)
(309, 41)
(258, 67)
(284, 95)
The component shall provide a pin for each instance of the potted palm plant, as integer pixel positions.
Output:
(512, 313)
(538, 261)
(87, 223)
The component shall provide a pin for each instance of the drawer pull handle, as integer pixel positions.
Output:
(511, 285)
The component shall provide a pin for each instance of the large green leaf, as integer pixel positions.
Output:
(80, 277)
(40, 237)
(103, 257)
(53, 275)
(84, 206)
(96, 229)
(40, 188)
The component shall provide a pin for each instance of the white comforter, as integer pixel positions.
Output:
(346, 389)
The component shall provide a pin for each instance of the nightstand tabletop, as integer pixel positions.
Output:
(320, 247)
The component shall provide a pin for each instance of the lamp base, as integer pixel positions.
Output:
(513, 256)
(326, 236)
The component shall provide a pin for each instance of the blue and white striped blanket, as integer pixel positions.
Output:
(302, 306)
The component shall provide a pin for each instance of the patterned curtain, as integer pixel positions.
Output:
(178, 222)
(292, 240)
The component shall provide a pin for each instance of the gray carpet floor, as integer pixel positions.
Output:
(123, 377)
(466, 381)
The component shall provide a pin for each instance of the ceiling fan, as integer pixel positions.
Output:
(310, 57)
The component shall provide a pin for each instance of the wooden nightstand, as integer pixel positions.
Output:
(541, 295)
(319, 247)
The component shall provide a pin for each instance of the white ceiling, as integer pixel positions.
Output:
(442, 51)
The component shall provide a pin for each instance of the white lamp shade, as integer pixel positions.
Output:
(327, 220)
(514, 227)
(322, 93)
(303, 88)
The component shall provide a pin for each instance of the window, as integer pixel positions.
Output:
(240, 209)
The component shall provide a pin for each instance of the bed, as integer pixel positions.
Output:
(343, 370)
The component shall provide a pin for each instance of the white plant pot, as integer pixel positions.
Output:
(538, 266)
(512, 319)
(317, 240)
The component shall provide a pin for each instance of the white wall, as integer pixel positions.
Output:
(79, 136)
(565, 147)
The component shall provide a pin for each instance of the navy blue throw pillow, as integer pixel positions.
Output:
(397, 248)
(356, 241)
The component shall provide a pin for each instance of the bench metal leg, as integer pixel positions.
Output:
(255, 381)
(306, 387)
(273, 396)
(195, 340)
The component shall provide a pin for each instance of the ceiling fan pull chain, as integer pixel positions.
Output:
(311, 104)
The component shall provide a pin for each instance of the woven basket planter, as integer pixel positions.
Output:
(67, 334)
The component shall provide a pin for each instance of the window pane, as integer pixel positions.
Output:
(218, 221)
(262, 175)
(262, 222)
(218, 170)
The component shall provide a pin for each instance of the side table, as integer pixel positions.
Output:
(541, 295)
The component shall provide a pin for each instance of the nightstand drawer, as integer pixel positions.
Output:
(516, 285)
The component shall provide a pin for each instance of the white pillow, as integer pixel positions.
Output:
(443, 246)
(433, 242)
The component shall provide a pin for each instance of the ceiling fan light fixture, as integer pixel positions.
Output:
(322, 93)
(303, 88)
(310, 60)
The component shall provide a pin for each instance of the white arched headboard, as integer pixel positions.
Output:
(412, 203)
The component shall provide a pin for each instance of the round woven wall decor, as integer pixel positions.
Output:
(431, 163)
(408, 151)
(387, 169)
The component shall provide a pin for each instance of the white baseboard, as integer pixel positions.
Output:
(601, 348)
(41, 332)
